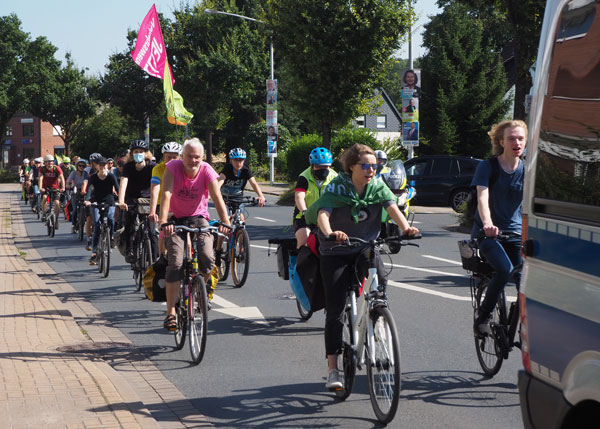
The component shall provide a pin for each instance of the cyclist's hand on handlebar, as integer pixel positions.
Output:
(153, 217)
(491, 230)
(123, 206)
(87, 203)
(340, 236)
(411, 231)
(167, 229)
(224, 227)
(261, 201)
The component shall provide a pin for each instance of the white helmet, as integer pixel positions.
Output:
(26, 161)
(171, 147)
(39, 159)
(379, 154)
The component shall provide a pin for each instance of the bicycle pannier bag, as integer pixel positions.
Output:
(309, 271)
(154, 280)
(143, 206)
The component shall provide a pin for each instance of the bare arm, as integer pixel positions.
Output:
(122, 190)
(166, 190)
(154, 192)
(399, 218)
(325, 226)
(256, 188)
(300, 200)
(215, 194)
(221, 179)
(483, 207)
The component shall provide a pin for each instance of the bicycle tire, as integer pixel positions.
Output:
(488, 351)
(38, 207)
(224, 263)
(181, 312)
(145, 261)
(52, 225)
(240, 259)
(198, 319)
(347, 359)
(385, 377)
(304, 314)
(81, 223)
(106, 253)
(136, 264)
(100, 251)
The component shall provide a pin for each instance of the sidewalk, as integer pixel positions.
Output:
(61, 364)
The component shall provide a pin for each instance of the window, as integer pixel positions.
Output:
(441, 167)
(9, 131)
(467, 168)
(27, 130)
(417, 169)
(382, 121)
(27, 153)
(360, 121)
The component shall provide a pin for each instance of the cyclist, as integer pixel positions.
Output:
(382, 168)
(118, 171)
(499, 208)
(75, 181)
(37, 163)
(311, 183)
(88, 171)
(235, 174)
(186, 185)
(351, 206)
(170, 151)
(135, 183)
(23, 177)
(66, 166)
(51, 176)
(101, 189)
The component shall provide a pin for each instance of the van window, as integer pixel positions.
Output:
(441, 167)
(567, 182)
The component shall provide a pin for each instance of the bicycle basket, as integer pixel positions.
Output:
(143, 205)
(468, 255)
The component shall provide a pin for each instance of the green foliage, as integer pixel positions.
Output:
(298, 152)
(394, 149)
(332, 53)
(463, 85)
(7, 176)
(346, 137)
(256, 140)
(393, 73)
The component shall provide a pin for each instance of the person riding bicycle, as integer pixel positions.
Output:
(499, 208)
(135, 183)
(66, 166)
(101, 189)
(170, 151)
(24, 171)
(75, 181)
(88, 171)
(37, 163)
(235, 174)
(382, 169)
(309, 186)
(50, 176)
(350, 206)
(186, 185)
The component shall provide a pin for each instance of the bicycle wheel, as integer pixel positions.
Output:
(198, 319)
(144, 262)
(384, 377)
(181, 311)
(106, 251)
(224, 262)
(100, 251)
(347, 359)
(80, 223)
(240, 257)
(51, 224)
(38, 206)
(304, 314)
(488, 350)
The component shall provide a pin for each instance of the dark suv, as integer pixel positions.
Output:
(441, 179)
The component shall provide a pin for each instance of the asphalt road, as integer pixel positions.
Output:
(265, 368)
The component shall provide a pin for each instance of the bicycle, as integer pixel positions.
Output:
(103, 248)
(192, 304)
(142, 245)
(235, 249)
(80, 217)
(491, 348)
(369, 336)
(49, 214)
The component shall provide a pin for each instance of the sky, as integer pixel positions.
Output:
(93, 30)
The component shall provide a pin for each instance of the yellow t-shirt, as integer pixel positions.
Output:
(157, 174)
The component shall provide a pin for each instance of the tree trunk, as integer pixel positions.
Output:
(209, 147)
(522, 82)
(327, 136)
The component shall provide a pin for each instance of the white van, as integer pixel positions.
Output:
(560, 301)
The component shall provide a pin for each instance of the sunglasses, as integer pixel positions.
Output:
(366, 166)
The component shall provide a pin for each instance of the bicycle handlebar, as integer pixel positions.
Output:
(211, 229)
(357, 241)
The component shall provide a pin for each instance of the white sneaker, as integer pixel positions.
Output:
(334, 380)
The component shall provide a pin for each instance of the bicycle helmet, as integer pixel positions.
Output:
(66, 159)
(39, 159)
(82, 161)
(171, 147)
(138, 144)
(320, 156)
(237, 153)
(95, 156)
(379, 154)
(48, 158)
(396, 179)
(26, 161)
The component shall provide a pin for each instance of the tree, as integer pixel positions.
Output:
(521, 23)
(463, 85)
(333, 53)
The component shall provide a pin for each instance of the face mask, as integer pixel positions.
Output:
(321, 174)
(138, 157)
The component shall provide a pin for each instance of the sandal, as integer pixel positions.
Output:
(170, 322)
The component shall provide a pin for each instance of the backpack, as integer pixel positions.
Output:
(472, 198)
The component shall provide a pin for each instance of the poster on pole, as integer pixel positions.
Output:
(271, 117)
(410, 133)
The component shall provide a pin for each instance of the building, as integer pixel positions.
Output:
(27, 136)
(386, 124)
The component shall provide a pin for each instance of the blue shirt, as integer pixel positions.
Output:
(506, 197)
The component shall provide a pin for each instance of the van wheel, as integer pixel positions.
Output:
(457, 198)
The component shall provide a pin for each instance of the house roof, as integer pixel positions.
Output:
(389, 101)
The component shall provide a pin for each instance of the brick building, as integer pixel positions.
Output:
(27, 136)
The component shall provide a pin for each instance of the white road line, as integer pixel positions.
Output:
(252, 314)
(440, 294)
(442, 259)
(265, 219)
(264, 247)
(427, 270)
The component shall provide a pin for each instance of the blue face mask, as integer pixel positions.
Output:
(138, 157)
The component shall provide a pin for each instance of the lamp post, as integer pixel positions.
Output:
(235, 15)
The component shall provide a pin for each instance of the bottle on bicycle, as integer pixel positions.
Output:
(499, 207)
(51, 176)
(351, 205)
(186, 186)
(101, 189)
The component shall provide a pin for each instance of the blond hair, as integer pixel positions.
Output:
(352, 155)
(497, 133)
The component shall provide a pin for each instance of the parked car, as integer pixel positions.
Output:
(441, 179)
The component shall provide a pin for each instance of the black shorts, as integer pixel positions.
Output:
(300, 223)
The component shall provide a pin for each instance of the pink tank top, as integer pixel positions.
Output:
(190, 196)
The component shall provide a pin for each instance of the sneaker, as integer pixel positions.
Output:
(73, 229)
(481, 325)
(43, 218)
(89, 245)
(112, 243)
(93, 260)
(56, 224)
(334, 380)
(130, 258)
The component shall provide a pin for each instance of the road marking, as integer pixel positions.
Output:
(427, 270)
(252, 314)
(265, 219)
(263, 247)
(442, 259)
(436, 293)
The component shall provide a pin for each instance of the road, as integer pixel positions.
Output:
(265, 368)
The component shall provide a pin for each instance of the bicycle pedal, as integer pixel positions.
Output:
(518, 344)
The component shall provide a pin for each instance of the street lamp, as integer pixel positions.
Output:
(235, 15)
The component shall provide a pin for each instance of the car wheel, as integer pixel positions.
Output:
(458, 197)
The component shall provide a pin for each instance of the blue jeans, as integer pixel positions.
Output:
(111, 218)
(503, 256)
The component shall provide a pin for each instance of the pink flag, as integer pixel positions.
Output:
(150, 53)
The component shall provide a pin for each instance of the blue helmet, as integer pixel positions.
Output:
(237, 153)
(320, 156)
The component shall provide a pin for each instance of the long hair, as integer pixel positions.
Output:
(352, 155)
(497, 133)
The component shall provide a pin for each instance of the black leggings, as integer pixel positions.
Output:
(337, 273)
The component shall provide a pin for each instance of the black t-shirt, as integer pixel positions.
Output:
(102, 189)
(235, 184)
(138, 181)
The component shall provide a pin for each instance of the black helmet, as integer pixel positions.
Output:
(138, 144)
(94, 157)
